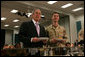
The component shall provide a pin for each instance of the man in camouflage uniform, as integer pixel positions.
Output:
(55, 31)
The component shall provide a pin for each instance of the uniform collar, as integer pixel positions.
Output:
(54, 27)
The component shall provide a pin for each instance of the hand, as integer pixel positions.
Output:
(44, 41)
(35, 39)
(79, 45)
(64, 41)
(53, 40)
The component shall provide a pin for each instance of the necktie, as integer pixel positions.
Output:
(37, 28)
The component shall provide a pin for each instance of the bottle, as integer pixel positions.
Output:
(51, 52)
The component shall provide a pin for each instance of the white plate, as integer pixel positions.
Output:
(41, 38)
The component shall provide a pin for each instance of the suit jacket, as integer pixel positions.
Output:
(27, 31)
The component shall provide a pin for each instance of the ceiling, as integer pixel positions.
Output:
(28, 6)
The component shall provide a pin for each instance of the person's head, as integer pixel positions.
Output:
(18, 45)
(68, 44)
(6, 46)
(55, 18)
(11, 46)
(36, 15)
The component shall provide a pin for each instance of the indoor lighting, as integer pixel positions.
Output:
(16, 26)
(67, 5)
(15, 20)
(6, 25)
(3, 18)
(52, 2)
(14, 11)
(42, 16)
(28, 14)
(77, 9)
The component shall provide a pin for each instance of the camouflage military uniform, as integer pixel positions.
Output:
(58, 32)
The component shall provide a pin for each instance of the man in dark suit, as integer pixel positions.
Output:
(32, 29)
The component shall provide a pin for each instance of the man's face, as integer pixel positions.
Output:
(37, 15)
(55, 17)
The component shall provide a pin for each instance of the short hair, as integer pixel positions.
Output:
(34, 10)
(55, 13)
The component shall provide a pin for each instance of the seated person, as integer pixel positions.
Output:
(81, 37)
(17, 45)
(6, 46)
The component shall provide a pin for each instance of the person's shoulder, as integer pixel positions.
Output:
(48, 27)
(26, 22)
(61, 27)
(82, 29)
(41, 26)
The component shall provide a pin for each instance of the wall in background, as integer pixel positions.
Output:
(9, 36)
(73, 29)
(80, 18)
